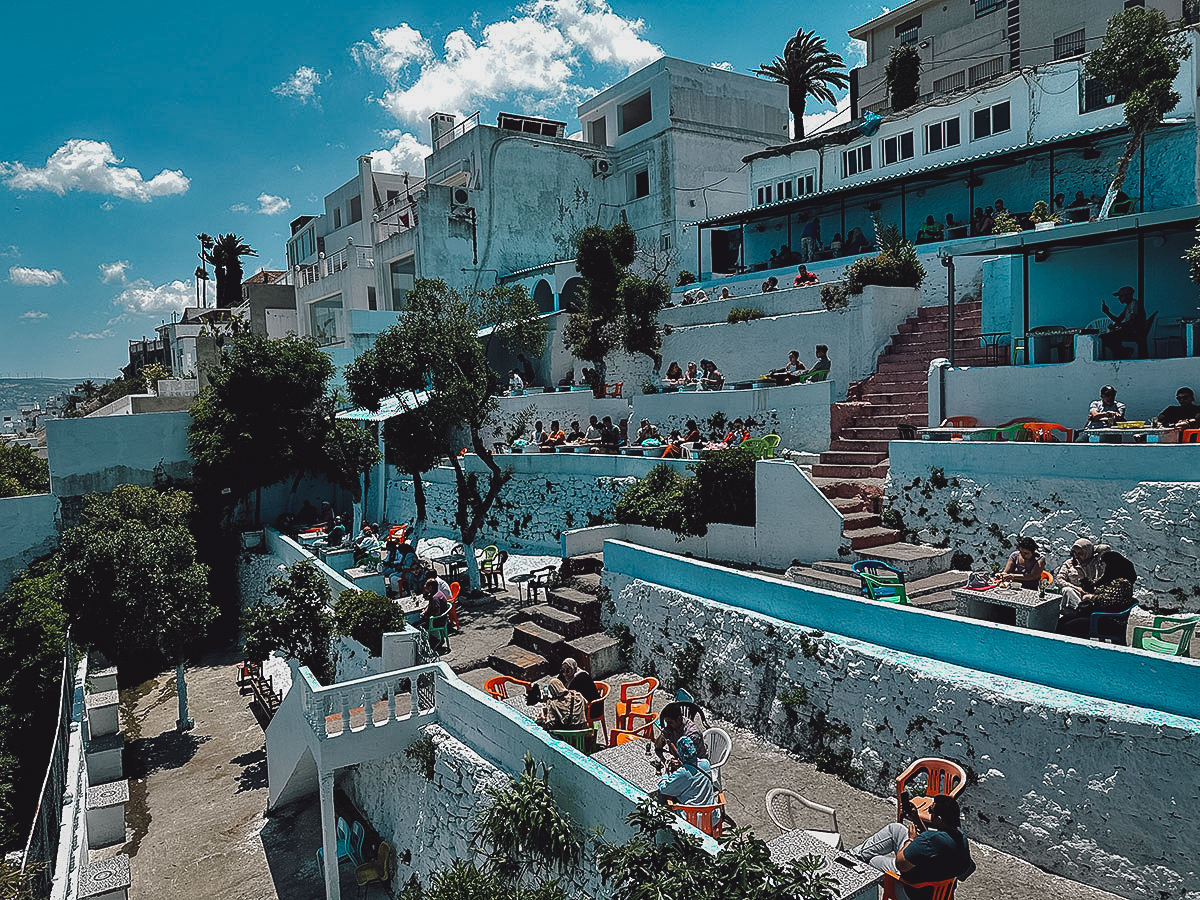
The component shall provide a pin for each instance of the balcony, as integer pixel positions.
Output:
(325, 266)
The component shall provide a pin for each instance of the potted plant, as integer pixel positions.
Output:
(1005, 223)
(1041, 217)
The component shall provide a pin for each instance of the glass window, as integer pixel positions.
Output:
(337, 218)
(356, 208)
(633, 114)
(856, 160)
(897, 148)
(639, 184)
(992, 120)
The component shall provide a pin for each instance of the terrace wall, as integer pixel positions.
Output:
(1087, 785)
(978, 497)
(30, 530)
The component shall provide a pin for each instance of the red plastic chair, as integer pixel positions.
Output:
(709, 819)
(1044, 432)
(595, 710)
(613, 390)
(637, 699)
(942, 777)
(497, 687)
(618, 736)
(1190, 436)
(962, 421)
(939, 890)
(455, 589)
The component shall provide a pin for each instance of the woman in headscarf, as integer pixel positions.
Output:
(1079, 573)
(1113, 592)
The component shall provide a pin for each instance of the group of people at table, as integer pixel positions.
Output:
(605, 437)
(1108, 411)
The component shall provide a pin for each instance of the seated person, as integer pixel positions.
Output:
(737, 433)
(771, 284)
(646, 432)
(929, 232)
(674, 374)
(1107, 411)
(1076, 576)
(688, 779)
(1113, 593)
(803, 276)
(1025, 565)
(365, 544)
(1080, 201)
(568, 379)
(673, 725)
(673, 449)
(564, 709)
(1126, 327)
(593, 433)
(334, 536)
(921, 853)
(691, 376)
(1184, 415)
(856, 242)
(725, 295)
(553, 438)
(575, 436)
(610, 435)
(692, 435)
(711, 378)
(539, 433)
(576, 679)
(400, 558)
(835, 246)
(514, 381)
(822, 364)
(527, 373)
(307, 515)
(437, 601)
(791, 372)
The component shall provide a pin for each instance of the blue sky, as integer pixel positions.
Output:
(130, 128)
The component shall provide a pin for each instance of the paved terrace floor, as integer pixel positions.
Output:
(196, 824)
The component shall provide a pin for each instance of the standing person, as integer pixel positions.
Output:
(688, 780)
(1082, 569)
(576, 679)
(810, 240)
(1186, 414)
(920, 853)
(1113, 593)
(1025, 565)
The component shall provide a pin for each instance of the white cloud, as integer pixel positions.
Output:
(534, 56)
(27, 277)
(302, 85)
(12, 250)
(814, 122)
(239, 208)
(270, 205)
(35, 314)
(113, 272)
(407, 154)
(856, 53)
(82, 165)
(143, 297)
(91, 336)
(723, 66)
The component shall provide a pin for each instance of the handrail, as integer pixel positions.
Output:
(328, 708)
(456, 132)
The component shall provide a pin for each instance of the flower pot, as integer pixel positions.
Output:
(1043, 226)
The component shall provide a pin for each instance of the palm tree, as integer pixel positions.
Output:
(88, 389)
(225, 256)
(809, 70)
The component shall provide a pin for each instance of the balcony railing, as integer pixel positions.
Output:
(337, 710)
(331, 265)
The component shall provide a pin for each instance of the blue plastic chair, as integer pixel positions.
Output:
(1109, 626)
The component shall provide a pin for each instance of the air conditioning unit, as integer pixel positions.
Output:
(601, 168)
(460, 202)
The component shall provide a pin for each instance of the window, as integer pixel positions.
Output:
(638, 184)
(1068, 45)
(665, 243)
(337, 217)
(856, 160)
(764, 194)
(983, 7)
(992, 120)
(955, 82)
(783, 190)
(897, 148)
(598, 131)
(633, 114)
(907, 32)
(355, 208)
(805, 184)
(941, 135)
(1093, 95)
(392, 195)
(985, 71)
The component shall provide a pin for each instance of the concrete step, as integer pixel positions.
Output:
(850, 505)
(851, 458)
(872, 537)
(587, 584)
(542, 641)
(826, 581)
(942, 601)
(916, 560)
(821, 470)
(555, 620)
(842, 488)
(578, 603)
(846, 444)
(582, 565)
(942, 582)
(859, 521)
(517, 662)
(598, 653)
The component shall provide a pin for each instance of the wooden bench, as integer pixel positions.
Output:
(250, 674)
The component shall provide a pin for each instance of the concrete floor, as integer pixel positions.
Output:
(195, 823)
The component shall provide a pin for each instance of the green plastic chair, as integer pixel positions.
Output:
(771, 441)
(1150, 637)
(881, 581)
(439, 626)
(577, 738)
(755, 446)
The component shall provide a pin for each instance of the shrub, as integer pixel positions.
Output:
(725, 486)
(1005, 223)
(896, 264)
(834, 296)
(1041, 213)
(649, 387)
(664, 499)
(743, 314)
(685, 278)
(365, 616)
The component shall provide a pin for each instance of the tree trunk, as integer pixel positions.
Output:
(797, 108)
(183, 723)
(1122, 170)
(419, 499)
(472, 511)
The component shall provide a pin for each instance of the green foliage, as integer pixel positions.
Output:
(424, 752)
(834, 296)
(685, 278)
(131, 584)
(1041, 213)
(523, 827)
(896, 264)
(809, 69)
(725, 480)
(664, 499)
(903, 74)
(513, 317)
(365, 616)
(22, 472)
(743, 314)
(268, 415)
(661, 863)
(1005, 223)
(300, 624)
(225, 256)
(1192, 257)
(649, 386)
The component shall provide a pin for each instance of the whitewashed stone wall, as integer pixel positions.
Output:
(30, 530)
(1089, 789)
(434, 821)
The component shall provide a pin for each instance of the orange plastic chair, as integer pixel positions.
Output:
(1190, 436)
(1044, 432)
(613, 390)
(497, 687)
(962, 421)
(942, 777)
(939, 890)
(637, 699)
(455, 589)
(595, 710)
(709, 819)
(618, 736)
(1047, 577)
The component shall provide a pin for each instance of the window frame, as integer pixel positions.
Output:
(991, 114)
(862, 160)
(623, 126)
(897, 141)
(941, 128)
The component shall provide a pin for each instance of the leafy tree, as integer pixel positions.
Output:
(365, 616)
(618, 310)
(22, 471)
(131, 583)
(226, 257)
(664, 499)
(513, 317)
(1139, 59)
(434, 351)
(300, 623)
(268, 415)
(903, 74)
(809, 69)
(87, 388)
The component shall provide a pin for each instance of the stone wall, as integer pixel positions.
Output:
(978, 498)
(1086, 788)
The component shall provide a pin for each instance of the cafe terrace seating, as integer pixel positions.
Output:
(1152, 637)
(787, 810)
(939, 890)
(637, 699)
(499, 686)
(880, 581)
(595, 710)
(709, 819)
(941, 777)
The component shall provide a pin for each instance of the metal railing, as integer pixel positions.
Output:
(331, 265)
(456, 132)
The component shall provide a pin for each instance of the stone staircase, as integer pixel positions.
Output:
(927, 581)
(852, 472)
(565, 624)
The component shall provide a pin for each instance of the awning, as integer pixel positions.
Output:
(388, 407)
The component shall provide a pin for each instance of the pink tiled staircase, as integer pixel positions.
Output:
(851, 472)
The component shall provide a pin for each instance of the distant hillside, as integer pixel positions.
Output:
(16, 391)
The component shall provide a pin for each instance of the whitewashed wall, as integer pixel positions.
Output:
(30, 530)
(1090, 789)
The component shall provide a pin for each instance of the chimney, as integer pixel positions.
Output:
(440, 124)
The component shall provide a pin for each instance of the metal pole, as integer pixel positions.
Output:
(948, 262)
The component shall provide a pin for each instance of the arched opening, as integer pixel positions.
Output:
(543, 296)
(569, 298)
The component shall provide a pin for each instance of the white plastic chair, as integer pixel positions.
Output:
(781, 807)
(719, 745)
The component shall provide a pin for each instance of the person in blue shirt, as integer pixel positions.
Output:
(920, 853)
(688, 779)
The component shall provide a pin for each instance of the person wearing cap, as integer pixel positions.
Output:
(1082, 568)
(688, 778)
(1186, 414)
(921, 853)
(1107, 411)
(564, 708)
(1127, 327)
